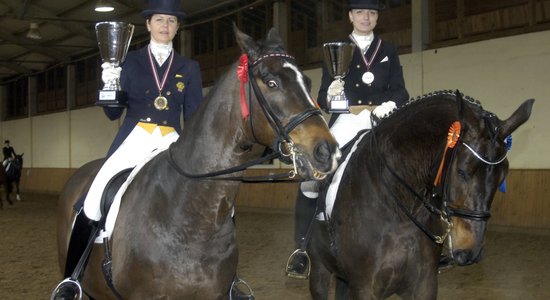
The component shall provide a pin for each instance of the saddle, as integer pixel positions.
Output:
(325, 184)
(111, 190)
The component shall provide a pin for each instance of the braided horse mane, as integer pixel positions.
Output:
(431, 95)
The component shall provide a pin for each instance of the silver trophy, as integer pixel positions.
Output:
(113, 39)
(338, 56)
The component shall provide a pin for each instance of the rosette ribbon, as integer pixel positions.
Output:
(452, 139)
(242, 74)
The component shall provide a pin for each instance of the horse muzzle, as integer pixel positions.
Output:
(321, 162)
(467, 257)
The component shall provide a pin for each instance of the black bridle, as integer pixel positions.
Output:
(283, 146)
(439, 192)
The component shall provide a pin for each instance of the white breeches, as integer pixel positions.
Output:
(344, 129)
(136, 147)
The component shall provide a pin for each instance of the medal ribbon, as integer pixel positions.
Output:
(160, 85)
(365, 60)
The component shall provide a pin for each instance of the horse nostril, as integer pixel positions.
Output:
(322, 152)
(463, 257)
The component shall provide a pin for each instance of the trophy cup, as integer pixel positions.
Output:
(113, 39)
(337, 57)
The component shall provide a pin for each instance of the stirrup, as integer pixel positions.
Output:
(236, 294)
(67, 283)
(290, 272)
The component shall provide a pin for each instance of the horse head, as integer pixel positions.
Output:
(282, 114)
(478, 167)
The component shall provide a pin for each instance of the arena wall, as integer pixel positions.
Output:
(501, 73)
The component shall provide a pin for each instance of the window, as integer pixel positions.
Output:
(87, 81)
(18, 98)
(51, 91)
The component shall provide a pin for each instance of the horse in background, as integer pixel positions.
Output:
(175, 235)
(11, 175)
(425, 176)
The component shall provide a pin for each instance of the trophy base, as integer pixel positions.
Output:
(111, 98)
(338, 111)
(338, 106)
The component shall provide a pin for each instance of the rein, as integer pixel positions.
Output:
(282, 142)
(446, 211)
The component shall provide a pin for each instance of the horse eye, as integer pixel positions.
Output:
(272, 84)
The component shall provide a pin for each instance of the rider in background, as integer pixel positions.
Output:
(9, 154)
(377, 93)
(161, 85)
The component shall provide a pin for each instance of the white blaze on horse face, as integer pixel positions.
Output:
(300, 80)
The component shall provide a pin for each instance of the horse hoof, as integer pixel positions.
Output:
(18, 198)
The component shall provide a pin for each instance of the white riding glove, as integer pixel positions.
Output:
(336, 88)
(110, 73)
(384, 109)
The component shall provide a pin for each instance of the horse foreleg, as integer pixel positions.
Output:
(319, 280)
(17, 189)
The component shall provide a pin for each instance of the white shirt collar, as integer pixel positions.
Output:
(160, 51)
(364, 41)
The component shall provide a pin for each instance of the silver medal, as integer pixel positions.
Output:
(367, 77)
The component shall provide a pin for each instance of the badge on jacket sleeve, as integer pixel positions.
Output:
(180, 85)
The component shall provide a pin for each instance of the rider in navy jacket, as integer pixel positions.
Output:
(160, 86)
(183, 89)
(388, 84)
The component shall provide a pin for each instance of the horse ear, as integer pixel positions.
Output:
(246, 43)
(520, 116)
(274, 37)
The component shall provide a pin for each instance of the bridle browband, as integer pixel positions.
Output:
(282, 142)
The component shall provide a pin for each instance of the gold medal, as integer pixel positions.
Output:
(161, 103)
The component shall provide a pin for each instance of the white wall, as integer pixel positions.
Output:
(501, 73)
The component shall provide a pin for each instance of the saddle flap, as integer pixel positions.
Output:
(111, 190)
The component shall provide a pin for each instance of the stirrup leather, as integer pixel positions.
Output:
(290, 273)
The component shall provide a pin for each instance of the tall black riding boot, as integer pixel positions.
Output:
(82, 237)
(84, 230)
(298, 265)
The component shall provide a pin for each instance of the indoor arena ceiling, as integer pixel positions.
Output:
(67, 29)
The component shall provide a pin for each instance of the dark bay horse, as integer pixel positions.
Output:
(174, 237)
(14, 175)
(11, 177)
(425, 175)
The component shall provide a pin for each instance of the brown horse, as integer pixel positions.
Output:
(11, 177)
(425, 175)
(4, 182)
(174, 236)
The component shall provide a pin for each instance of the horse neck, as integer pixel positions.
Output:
(215, 136)
(412, 147)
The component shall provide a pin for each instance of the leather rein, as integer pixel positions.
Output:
(440, 192)
(283, 145)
